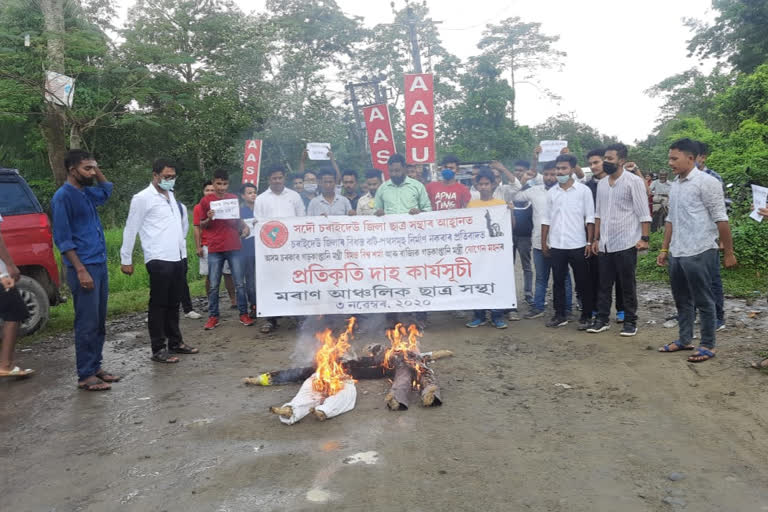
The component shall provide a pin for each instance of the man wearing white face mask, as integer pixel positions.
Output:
(156, 218)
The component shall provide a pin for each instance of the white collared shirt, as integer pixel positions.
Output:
(287, 203)
(157, 221)
(568, 211)
(621, 208)
(537, 196)
(696, 204)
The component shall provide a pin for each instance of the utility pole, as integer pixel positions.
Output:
(380, 96)
(414, 41)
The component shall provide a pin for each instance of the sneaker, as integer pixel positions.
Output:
(253, 313)
(557, 321)
(584, 324)
(512, 316)
(529, 301)
(500, 324)
(213, 321)
(475, 323)
(194, 315)
(533, 313)
(598, 326)
(619, 317)
(720, 326)
(246, 320)
(628, 330)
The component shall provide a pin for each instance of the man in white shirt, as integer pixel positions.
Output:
(622, 226)
(156, 217)
(275, 202)
(697, 218)
(329, 202)
(570, 208)
(366, 205)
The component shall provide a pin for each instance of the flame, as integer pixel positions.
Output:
(330, 372)
(405, 343)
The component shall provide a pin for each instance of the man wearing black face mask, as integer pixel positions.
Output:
(622, 226)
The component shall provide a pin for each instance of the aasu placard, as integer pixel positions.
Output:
(252, 161)
(380, 139)
(419, 119)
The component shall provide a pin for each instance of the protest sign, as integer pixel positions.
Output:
(550, 149)
(379, 129)
(759, 198)
(252, 162)
(445, 260)
(419, 119)
(318, 150)
(226, 209)
(59, 89)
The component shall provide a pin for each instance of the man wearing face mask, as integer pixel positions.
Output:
(622, 227)
(309, 187)
(156, 218)
(569, 208)
(448, 194)
(401, 194)
(79, 236)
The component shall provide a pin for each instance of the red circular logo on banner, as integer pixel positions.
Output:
(274, 234)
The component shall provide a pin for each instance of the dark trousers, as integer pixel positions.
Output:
(561, 259)
(186, 298)
(618, 267)
(593, 266)
(90, 318)
(691, 281)
(166, 280)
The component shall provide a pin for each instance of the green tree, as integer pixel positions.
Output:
(581, 137)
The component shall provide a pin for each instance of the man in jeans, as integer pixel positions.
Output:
(79, 235)
(537, 196)
(622, 226)
(697, 217)
(223, 237)
(155, 215)
(569, 209)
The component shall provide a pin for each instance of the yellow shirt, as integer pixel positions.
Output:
(479, 203)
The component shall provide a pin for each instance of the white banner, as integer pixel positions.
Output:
(59, 89)
(435, 261)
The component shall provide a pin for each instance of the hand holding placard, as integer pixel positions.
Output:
(318, 150)
(225, 209)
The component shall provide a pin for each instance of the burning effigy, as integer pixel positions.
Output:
(328, 387)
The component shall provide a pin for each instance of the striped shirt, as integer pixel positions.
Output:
(621, 208)
(537, 196)
(568, 211)
(696, 203)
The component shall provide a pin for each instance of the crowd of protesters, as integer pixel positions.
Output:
(581, 233)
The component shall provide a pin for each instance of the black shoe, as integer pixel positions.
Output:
(628, 329)
(557, 321)
(599, 326)
(584, 324)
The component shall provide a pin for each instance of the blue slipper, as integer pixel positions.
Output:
(667, 348)
(701, 352)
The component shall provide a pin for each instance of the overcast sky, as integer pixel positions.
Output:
(616, 50)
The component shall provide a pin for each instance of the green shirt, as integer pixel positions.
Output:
(402, 198)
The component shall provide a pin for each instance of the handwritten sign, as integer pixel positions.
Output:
(226, 209)
(759, 198)
(550, 149)
(318, 150)
(435, 261)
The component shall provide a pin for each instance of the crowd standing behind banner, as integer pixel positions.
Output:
(595, 226)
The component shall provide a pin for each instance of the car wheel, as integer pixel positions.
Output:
(38, 305)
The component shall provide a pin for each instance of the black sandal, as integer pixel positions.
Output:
(184, 349)
(163, 356)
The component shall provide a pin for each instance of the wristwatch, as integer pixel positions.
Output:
(645, 238)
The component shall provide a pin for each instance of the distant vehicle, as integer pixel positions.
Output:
(26, 230)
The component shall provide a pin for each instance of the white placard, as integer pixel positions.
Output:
(550, 149)
(251, 223)
(59, 89)
(759, 200)
(318, 150)
(226, 209)
(434, 261)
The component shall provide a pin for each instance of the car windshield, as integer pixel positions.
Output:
(17, 199)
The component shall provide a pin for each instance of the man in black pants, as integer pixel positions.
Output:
(156, 217)
(622, 226)
(563, 237)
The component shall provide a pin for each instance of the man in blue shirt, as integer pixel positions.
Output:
(79, 236)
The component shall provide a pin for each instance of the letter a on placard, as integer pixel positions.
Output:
(375, 114)
(418, 83)
(252, 145)
(251, 158)
(379, 135)
(419, 108)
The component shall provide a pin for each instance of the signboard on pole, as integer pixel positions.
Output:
(59, 89)
(380, 138)
(252, 161)
(433, 261)
(419, 119)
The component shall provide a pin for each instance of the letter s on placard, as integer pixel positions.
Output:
(250, 170)
(420, 131)
(382, 156)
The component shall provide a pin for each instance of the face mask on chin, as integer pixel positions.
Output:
(397, 180)
(310, 188)
(610, 168)
(549, 185)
